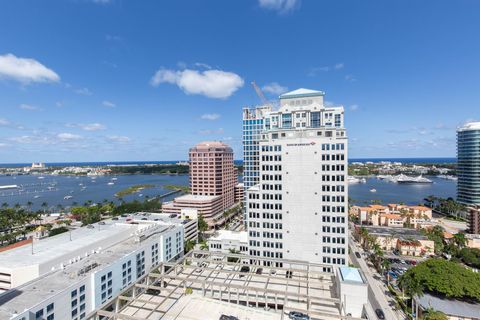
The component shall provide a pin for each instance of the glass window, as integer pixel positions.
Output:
(315, 119)
(287, 120)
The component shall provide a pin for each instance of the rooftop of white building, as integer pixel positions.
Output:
(195, 198)
(351, 275)
(470, 126)
(241, 236)
(302, 92)
(28, 295)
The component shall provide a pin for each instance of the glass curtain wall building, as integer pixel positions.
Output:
(468, 163)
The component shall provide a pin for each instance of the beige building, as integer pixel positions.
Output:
(210, 207)
(392, 215)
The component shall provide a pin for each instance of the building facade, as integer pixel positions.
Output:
(77, 279)
(212, 171)
(298, 208)
(473, 222)
(468, 163)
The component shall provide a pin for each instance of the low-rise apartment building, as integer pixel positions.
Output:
(408, 242)
(392, 215)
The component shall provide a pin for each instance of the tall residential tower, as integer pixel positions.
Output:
(298, 208)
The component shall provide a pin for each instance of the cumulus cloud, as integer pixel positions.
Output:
(65, 136)
(210, 116)
(108, 104)
(281, 6)
(25, 70)
(274, 88)
(121, 139)
(84, 92)
(210, 83)
(28, 107)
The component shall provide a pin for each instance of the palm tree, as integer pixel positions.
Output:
(29, 205)
(4, 205)
(460, 240)
(44, 205)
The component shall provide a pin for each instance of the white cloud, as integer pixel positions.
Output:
(210, 116)
(210, 83)
(354, 107)
(274, 88)
(29, 107)
(65, 136)
(3, 145)
(203, 65)
(87, 126)
(210, 132)
(84, 92)
(281, 6)
(315, 70)
(4, 122)
(108, 104)
(93, 127)
(25, 70)
(121, 139)
(350, 77)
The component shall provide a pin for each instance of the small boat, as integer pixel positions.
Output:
(351, 179)
(373, 190)
(363, 180)
(111, 183)
(36, 197)
(114, 179)
(140, 195)
(67, 197)
(41, 177)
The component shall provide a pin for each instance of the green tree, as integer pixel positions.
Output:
(189, 245)
(431, 314)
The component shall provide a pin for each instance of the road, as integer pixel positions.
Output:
(378, 294)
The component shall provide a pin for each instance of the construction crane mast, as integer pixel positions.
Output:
(260, 94)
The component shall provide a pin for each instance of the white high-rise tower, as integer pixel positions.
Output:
(298, 209)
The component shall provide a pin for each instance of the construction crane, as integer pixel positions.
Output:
(260, 94)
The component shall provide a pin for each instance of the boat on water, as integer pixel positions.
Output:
(413, 180)
(111, 183)
(36, 197)
(67, 197)
(351, 179)
(41, 177)
(114, 179)
(447, 177)
(373, 190)
(9, 186)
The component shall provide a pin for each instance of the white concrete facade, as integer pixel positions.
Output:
(225, 240)
(75, 289)
(299, 208)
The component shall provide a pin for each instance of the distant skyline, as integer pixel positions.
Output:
(123, 80)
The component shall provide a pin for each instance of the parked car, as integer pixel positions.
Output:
(357, 254)
(225, 317)
(259, 271)
(380, 314)
(295, 315)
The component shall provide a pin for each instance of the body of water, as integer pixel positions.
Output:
(79, 189)
(53, 189)
(390, 192)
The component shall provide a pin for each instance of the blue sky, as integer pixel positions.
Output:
(105, 80)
